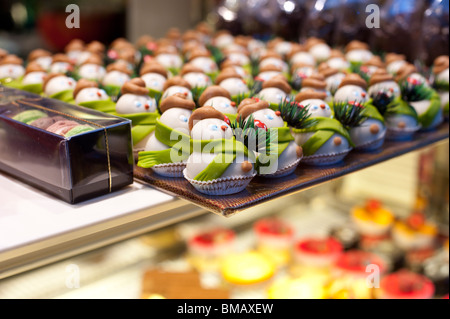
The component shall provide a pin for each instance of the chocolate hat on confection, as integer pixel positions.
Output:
(353, 79)
(327, 70)
(249, 106)
(199, 53)
(227, 73)
(11, 59)
(310, 42)
(440, 64)
(60, 57)
(279, 82)
(83, 84)
(380, 75)
(212, 91)
(296, 48)
(119, 43)
(166, 49)
(50, 76)
(96, 47)
(202, 113)
(173, 34)
(38, 53)
(310, 94)
(405, 71)
(143, 40)
(375, 61)
(33, 66)
(316, 81)
(190, 68)
(356, 45)
(270, 54)
(178, 100)
(74, 45)
(176, 81)
(191, 35)
(228, 63)
(242, 40)
(203, 28)
(272, 43)
(134, 86)
(270, 67)
(93, 59)
(153, 67)
(188, 47)
(335, 53)
(298, 65)
(392, 57)
(120, 66)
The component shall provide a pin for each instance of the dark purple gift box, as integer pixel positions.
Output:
(73, 168)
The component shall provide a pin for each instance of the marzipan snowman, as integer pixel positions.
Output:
(333, 77)
(441, 81)
(223, 39)
(272, 58)
(357, 52)
(154, 76)
(369, 67)
(231, 81)
(136, 105)
(274, 91)
(417, 93)
(73, 49)
(245, 73)
(268, 71)
(318, 49)
(203, 60)
(327, 142)
(60, 64)
(177, 85)
(300, 55)
(117, 74)
(317, 83)
(284, 154)
(168, 149)
(220, 99)
(88, 94)
(394, 62)
(195, 76)
(337, 61)
(11, 68)
(351, 89)
(41, 57)
(59, 86)
(92, 68)
(400, 119)
(33, 78)
(219, 165)
(169, 58)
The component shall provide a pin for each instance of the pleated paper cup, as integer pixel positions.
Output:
(170, 169)
(285, 171)
(325, 159)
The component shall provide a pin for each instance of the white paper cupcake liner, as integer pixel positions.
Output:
(372, 145)
(170, 169)
(325, 159)
(396, 134)
(284, 171)
(221, 186)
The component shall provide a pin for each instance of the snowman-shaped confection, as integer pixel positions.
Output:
(287, 153)
(275, 91)
(203, 60)
(357, 52)
(177, 85)
(96, 48)
(195, 76)
(317, 83)
(394, 62)
(222, 166)
(283, 48)
(135, 100)
(87, 92)
(351, 89)
(73, 49)
(441, 80)
(300, 55)
(382, 81)
(268, 71)
(11, 67)
(117, 74)
(333, 77)
(243, 72)
(318, 49)
(240, 57)
(168, 57)
(331, 142)
(256, 48)
(34, 74)
(171, 135)
(92, 68)
(416, 92)
(220, 99)
(337, 61)
(59, 86)
(154, 76)
(232, 81)
(60, 64)
(41, 57)
(373, 64)
(273, 58)
(301, 71)
(223, 39)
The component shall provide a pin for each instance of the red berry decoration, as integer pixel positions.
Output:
(416, 220)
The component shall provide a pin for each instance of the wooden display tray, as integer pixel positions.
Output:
(261, 190)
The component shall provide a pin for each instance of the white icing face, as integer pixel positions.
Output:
(177, 89)
(73, 55)
(351, 93)
(211, 129)
(241, 71)
(236, 47)
(419, 78)
(267, 75)
(234, 86)
(320, 52)
(168, 60)
(206, 64)
(12, 71)
(268, 117)
(393, 67)
(223, 41)
(91, 94)
(255, 44)
(197, 79)
(33, 78)
(274, 61)
(83, 56)
(115, 78)
(303, 57)
(338, 63)
(272, 95)
(133, 103)
(59, 84)
(177, 119)
(388, 86)
(283, 48)
(333, 81)
(92, 71)
(359, 56)
(239, 58)
(59, 67)
(154, 81)
(222, 104)
(443, 76)
(44, 62)
(304, 72)
(317, 108)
